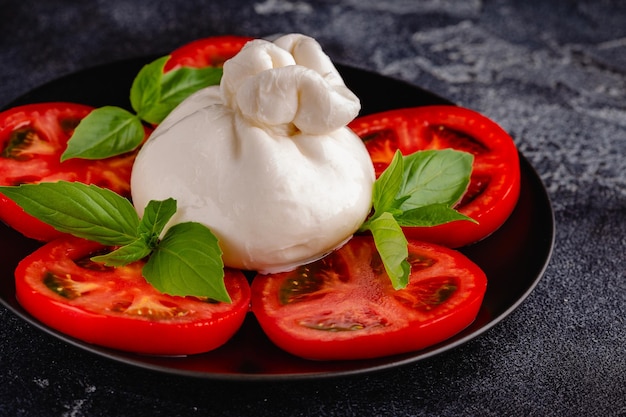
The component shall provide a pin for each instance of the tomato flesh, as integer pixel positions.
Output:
(495, 181)
(32, 139)
(207, 52)
(344, 307)
(116, 308)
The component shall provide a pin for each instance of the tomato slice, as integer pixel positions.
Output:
(344, 307)
(32, 139)
(117, 308)
(206, 52)
(495, 182)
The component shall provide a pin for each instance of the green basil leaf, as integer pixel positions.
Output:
(435, 177)
(431, 215)
(188, 261)
(153, 94)
(388, 184)
(85, 211)
(145, 91)
(126, 254)
(393, 249)
(155, 217)
(177, 85)
(105, 132)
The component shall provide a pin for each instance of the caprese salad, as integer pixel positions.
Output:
(243, 182)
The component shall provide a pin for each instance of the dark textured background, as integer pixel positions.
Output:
(552, 73)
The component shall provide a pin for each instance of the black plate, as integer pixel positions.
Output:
(514, 258)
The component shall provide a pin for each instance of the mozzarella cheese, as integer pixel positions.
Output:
(265, 159)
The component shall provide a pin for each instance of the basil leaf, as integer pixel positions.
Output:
(392, 247)
(105, 132)
(85, 211)
(155, 217)
(111, 130)
(177, 85)
(146, 88)
(188, 261)
(388, 185)
(431, 215)
(180, 83)
(154, 95)
(435, 177)
(124, 255)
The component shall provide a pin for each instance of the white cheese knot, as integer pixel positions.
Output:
(289, 83)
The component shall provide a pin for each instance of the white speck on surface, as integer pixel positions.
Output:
(42, 382)
(463, 8)
(282, 6)
(75, 409)
(613, 43)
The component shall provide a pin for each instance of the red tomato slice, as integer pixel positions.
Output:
(206, 52)
(32, 139)
(344, 307)
(495, 182)
(117, 308)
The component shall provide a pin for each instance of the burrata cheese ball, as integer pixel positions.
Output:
(265, 159)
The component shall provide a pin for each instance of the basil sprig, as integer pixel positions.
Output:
(187, 260)
(415, 190)
(108, 131)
